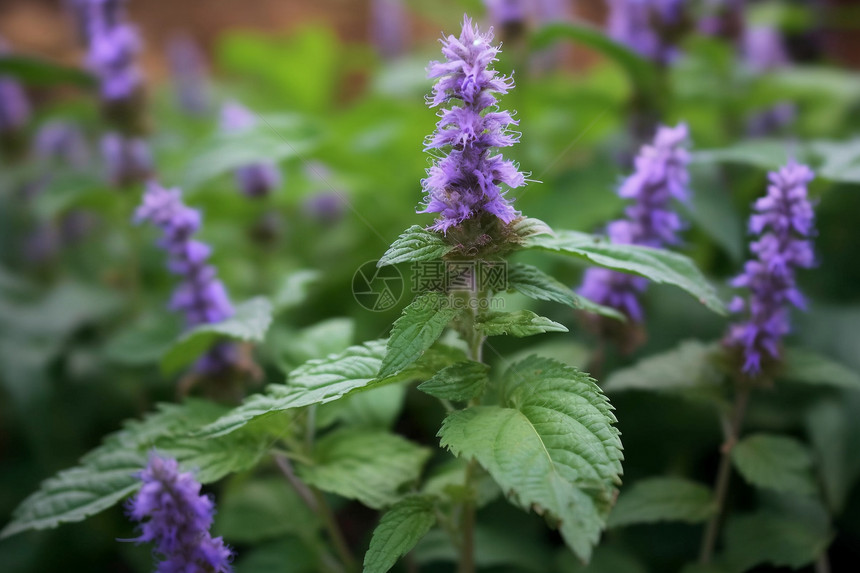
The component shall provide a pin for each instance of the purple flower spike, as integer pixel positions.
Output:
(785, 221)
(466, 182)
(14, 107)
(634, 24)
(389, 27)
(200, 295)
(112, 57)
(660, 176)
(506, 12)
(176, 517)
(62, 142)
(190, 76)
(127, 159)
(255, 179)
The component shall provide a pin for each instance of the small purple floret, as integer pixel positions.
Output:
(177, 517)
(785, 222)
(467, 181)
(127, 159)
(255, 179)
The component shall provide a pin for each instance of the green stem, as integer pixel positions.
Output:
(333, 529)
(731, 432)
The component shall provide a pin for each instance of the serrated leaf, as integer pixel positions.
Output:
(550, 443)
(249, 324)
(366, 465)
(328, 379)
(415, 244)
(780, 540)
(420, 325)
(534, 283)
(461, 381)
(688, 369)
(520, 323)
(663, 499)
(802, 365)
(107, 474)
(775, 462)
(294, 289)
(657, 265)
(398, 532)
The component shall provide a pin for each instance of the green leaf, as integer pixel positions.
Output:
(663, 499)
(249, 324)
(528, 226)
(771, 538)
(461, 381)
(295, 289)
(366, 465)
(775, 462)
(642, 73)
(447, 483)
(378, 408)
(289, 555)
(398, 532)
(251, 511)
(415, 244)
(689, 369)
(534, 283)
(38, 72)
(327, 379)
(273, 139)
(834, 434)
(107, 474)
(550, 443)
(420, 325)
(768, 154)
(657, 265)
(520, 323)
(144, 342)
(806, 366)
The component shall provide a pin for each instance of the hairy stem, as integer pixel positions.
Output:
(731, 431)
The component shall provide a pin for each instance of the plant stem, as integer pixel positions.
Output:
(731, 432)
(822, 564)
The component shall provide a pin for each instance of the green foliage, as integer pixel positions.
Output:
(295, 289)
(420, 325)
(39, 72)
(370, 466)
(400, 528)
(249, 324)
(805, 366)
(413, 245)
(779, 540)
(519, 323)
(776, 462)
(550, 443)
(460, 382)
(663, 499)
(534, 283)
(657, 265)
(108, 473)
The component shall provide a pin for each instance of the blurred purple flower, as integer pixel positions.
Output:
(200, 295)
(389, 27)
(255, 179)
(177, 517)
(127, 159)
(190, 75)
(466, 182)
(61, 142)
(326, 207)
(660, 176)
(763, 48)
(721, 17)
(785, 221)
(113, 58)
(507, 12)
(640, 24)
(14, 107)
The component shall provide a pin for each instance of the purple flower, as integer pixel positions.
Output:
(388, 27)
(326, 207)
(785, 221)
(467, 181)
(255, 179)
(507, 12)
(190, 76)
(763, 48)
(127, 159)
(200, 295)
(176, 517)
(113, 58)
(660, 176)
(641, 25)
(61, 142)
(14, 107)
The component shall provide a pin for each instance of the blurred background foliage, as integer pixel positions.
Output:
(83, 323)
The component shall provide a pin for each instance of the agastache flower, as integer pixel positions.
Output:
(113, 58)
(389, 27)
(188, 68)
(14, 107)
(255, 179)
(467, 181)
(127, 159)
(177, 517)
(785, 221)
(506, 12)
(643, 26)
(200, 295)
(61, 142)
(660, 176)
